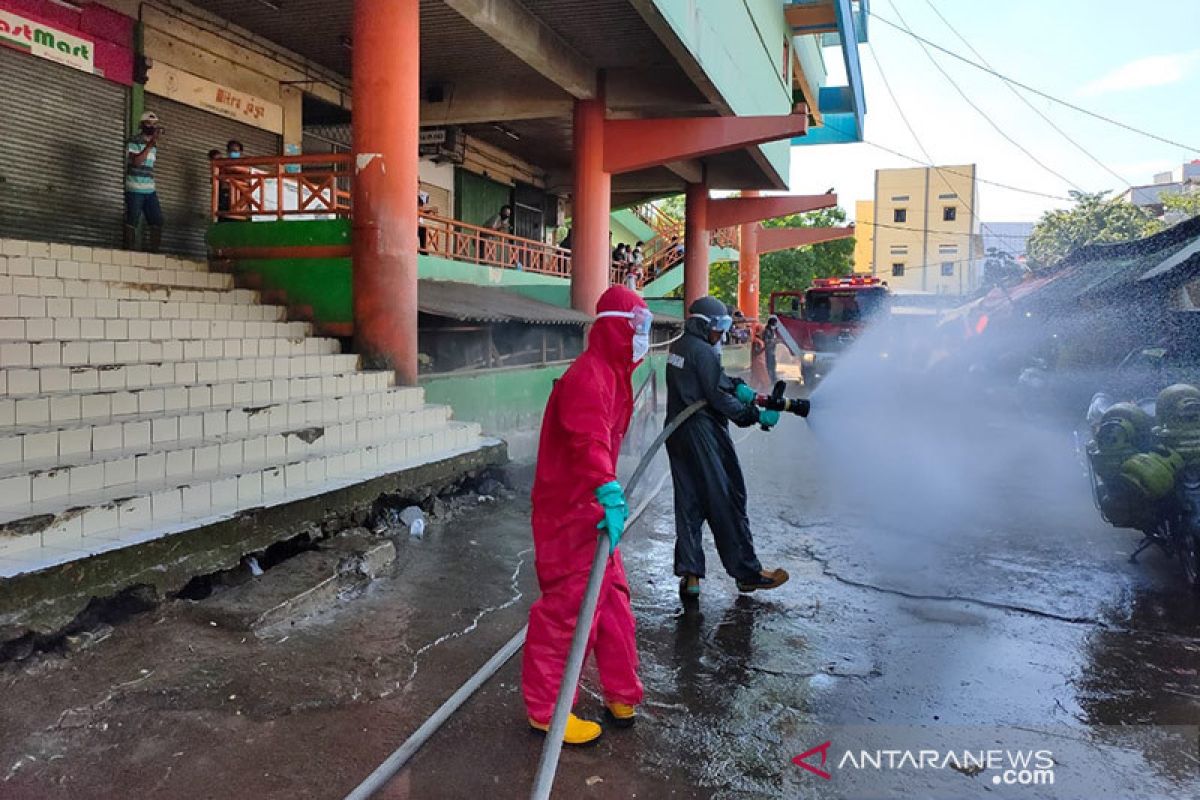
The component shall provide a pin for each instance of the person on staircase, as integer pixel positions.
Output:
(141, 197)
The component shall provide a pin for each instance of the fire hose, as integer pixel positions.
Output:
(548, 765)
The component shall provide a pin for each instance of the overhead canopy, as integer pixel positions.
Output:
(472, 303)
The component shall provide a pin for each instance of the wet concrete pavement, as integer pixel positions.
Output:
(1011, 625)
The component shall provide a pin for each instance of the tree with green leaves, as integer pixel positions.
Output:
(1093, 219)
(1000, 268)
(790, 269)
(1179, 207)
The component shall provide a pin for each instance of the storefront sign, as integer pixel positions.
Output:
(175, 84)
(442, 144)
(44, 41)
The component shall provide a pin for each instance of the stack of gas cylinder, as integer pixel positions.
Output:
(1140, 461)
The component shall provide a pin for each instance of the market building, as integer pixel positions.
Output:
(309, 329)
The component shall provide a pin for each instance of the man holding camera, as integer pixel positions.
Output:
(141, 199)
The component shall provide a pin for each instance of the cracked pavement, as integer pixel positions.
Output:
(1019, 623)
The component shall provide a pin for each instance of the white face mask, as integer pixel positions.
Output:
(640, 320)
(641, 346)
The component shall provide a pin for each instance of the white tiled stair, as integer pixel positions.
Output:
(142, 395)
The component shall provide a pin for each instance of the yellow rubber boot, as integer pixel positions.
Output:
(579, 731)
(621, 715)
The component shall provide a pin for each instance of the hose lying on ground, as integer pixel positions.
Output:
(549, 761)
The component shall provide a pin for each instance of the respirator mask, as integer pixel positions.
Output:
(640, 320)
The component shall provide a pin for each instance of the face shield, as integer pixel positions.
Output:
(640, 319)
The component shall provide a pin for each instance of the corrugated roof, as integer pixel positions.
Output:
(1117, 269)
(473, 303)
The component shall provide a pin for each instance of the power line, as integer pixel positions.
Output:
(1036, 91)
(903, 117)
(900, 110)
(997, 184)
(1026, 101)
(987, 118)
(914, 229)
(916, 160)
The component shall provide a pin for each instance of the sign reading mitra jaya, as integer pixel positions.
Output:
(47, 42)
(184, 87)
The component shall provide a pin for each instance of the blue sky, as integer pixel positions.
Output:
(1136, 62)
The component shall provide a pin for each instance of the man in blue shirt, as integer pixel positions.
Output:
(141, 199)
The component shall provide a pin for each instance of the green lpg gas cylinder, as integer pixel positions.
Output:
(1123, 431)
(1178, 411)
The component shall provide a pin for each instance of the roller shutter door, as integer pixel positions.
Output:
(181, 172)
(477, 199)
(62, 162)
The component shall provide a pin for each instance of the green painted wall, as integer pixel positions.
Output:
(325, 284)
(665, 307)
(672, 279)
(320, 283)
(279, 234)
(735, 358)
(508, 403)
(739, 45)
(627, 227)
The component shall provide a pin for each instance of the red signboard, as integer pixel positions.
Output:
(92, 38)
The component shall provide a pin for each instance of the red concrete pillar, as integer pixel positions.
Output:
(591, 207)
(748, 265)
(386, 121)
(695, 244)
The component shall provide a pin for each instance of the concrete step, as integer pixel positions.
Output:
(98, 255)
(83, 352)
(90, 328)
(43, 381)
(29, 307)
(97, 405)
(32, 286)
(39, 446)
(48, 534)
(38, 487)
(115, 273)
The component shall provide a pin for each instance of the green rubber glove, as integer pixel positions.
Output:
(616, 511)
(768, 417)
(745, 393)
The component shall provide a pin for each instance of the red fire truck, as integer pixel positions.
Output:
(818, 323)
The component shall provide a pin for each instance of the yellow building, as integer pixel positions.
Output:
(864, 236)
(924, 230)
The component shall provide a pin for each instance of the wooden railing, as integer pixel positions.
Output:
(460, 241)
(664, 224)
(265, 187)
(662, 255)
(319, 186)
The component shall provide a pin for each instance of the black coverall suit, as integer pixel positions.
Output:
(704, 466)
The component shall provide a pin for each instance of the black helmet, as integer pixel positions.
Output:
(712, 314)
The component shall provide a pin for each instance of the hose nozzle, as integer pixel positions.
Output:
(775, 401)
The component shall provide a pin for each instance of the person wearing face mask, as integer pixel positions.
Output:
(141, 196)
(575, 497)
(708, 481)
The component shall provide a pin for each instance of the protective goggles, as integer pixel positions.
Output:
(640, 319)
(721, 324)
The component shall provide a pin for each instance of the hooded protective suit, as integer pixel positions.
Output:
(584, 422)
(704, 465)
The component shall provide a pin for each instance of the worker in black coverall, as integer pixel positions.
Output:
(704, 466)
